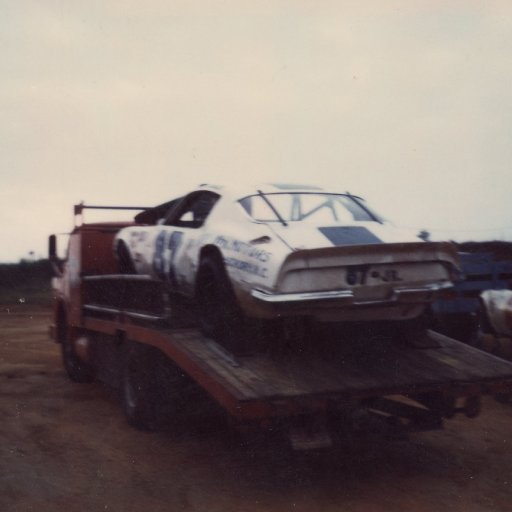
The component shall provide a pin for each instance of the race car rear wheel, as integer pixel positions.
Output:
(221, 317)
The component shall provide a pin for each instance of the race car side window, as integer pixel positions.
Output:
(193, 210)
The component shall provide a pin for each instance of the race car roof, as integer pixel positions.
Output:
(247, 189)
(235, 191)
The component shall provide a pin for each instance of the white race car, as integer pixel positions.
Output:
(282, 250)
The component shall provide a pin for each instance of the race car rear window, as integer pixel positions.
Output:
(317, 208)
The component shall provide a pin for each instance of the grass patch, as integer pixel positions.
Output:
(26, 282)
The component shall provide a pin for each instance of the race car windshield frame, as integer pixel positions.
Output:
(316, 207)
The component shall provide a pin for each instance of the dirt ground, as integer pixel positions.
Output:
(66, 446)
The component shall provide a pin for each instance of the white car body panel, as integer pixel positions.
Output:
(498, 307)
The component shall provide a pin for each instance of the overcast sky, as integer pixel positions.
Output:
(406, 103)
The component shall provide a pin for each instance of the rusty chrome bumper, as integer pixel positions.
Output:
(419, 294)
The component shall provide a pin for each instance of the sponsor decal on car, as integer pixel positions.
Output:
(246, 266)
(242, 248)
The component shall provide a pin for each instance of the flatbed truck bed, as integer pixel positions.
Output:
(107, 322)
(322, 378)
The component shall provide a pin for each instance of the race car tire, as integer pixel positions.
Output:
(126, 265)
(220, 315)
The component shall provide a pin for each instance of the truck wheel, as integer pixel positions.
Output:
(220, 315)
(138, 389)
(77, 370)
(155, 391)
(126, 265)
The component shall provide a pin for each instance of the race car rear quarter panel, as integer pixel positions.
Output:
(251, 263)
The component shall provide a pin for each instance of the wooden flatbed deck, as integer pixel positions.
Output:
(284, 382)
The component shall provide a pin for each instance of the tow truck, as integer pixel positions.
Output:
(126, 330)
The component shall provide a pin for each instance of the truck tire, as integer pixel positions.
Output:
(77, 370)
(220, 315)
(138, 388)
(155, 391)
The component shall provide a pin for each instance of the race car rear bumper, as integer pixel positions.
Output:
(415, 295)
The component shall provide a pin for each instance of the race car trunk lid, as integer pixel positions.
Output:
(367, 273)
(313, 235)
